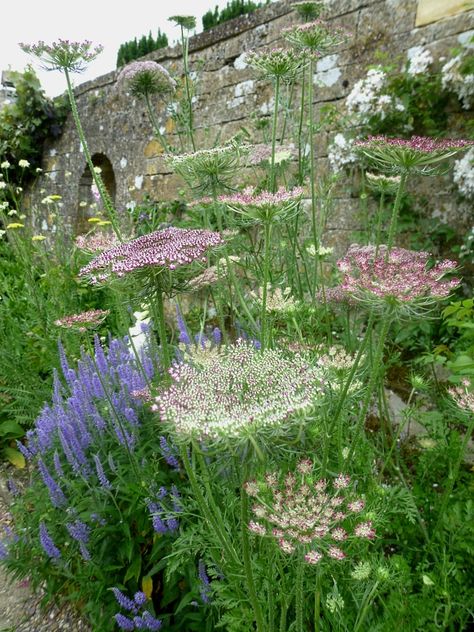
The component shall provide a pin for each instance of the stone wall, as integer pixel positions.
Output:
(228, 97)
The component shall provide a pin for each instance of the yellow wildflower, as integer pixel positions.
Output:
(15, 225)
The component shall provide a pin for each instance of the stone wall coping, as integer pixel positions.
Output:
(221, 32)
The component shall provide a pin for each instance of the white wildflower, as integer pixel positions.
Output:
(419, 60)
(340, 152)
(463, 174)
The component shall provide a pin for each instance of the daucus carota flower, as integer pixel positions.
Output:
(96, 242)
(419, 154)
(278, 63)
(144, 78)
(317, 36)
(277, 300)
(263, 153)
(207, 169)
(264, 206)
(401, 278)
(382, 183)
(240, 391)
(309, 515)
(63, 54)
(463, 395)
(169, 248)
(47, 543)
(80, 322)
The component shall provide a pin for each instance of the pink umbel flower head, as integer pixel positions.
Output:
(169, 248)
(64, 55)
(277, 63)
(401, 278)
(317, 36)
(143, 78)
(264, 206)
(81, 322)
(418, 154)
(96, 242)
(310, 516)
(463, 395)
(240, 392)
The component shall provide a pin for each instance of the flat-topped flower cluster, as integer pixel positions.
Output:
(168, 248)
(237, 393)
(307, 514)
(375, 275)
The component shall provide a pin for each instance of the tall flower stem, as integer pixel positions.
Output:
(205, 509)
(453, 475)
(155, 124)
(299, 594)
(266, 272)
(158, 304)
(104, 194)
(342, 397)
(185, 47)
(244, 519)
(274, 134)
(317, 602)
(300, 129)
(378, 232)
(396, 208)
(311, 157)
(367, 603)
(374, 374)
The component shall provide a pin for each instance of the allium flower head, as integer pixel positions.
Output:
(63, 54)
(169, 248)
(419, 154)
(317, 36)
(277, 62)
(240, 391)
(382, 183)
(307, 9)
(207, 169)
(80, 322)
(143, 78)
(264, 206)
(304, 514)
(188, 22)
(401, 278)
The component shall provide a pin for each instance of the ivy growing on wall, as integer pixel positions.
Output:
(26, 123)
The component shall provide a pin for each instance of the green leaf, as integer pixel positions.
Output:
(15, 457)
(12, 429)
(133, 571)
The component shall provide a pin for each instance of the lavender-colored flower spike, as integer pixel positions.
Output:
(205, 587)
(56, 494)
(169, 454)
(123, 622)
(150, 622)
(124, 602)
(105, 483)
(47, 543)
(184, 336)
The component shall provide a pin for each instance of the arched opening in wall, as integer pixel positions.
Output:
(90, 204)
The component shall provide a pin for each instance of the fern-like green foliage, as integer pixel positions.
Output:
(133, 49)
